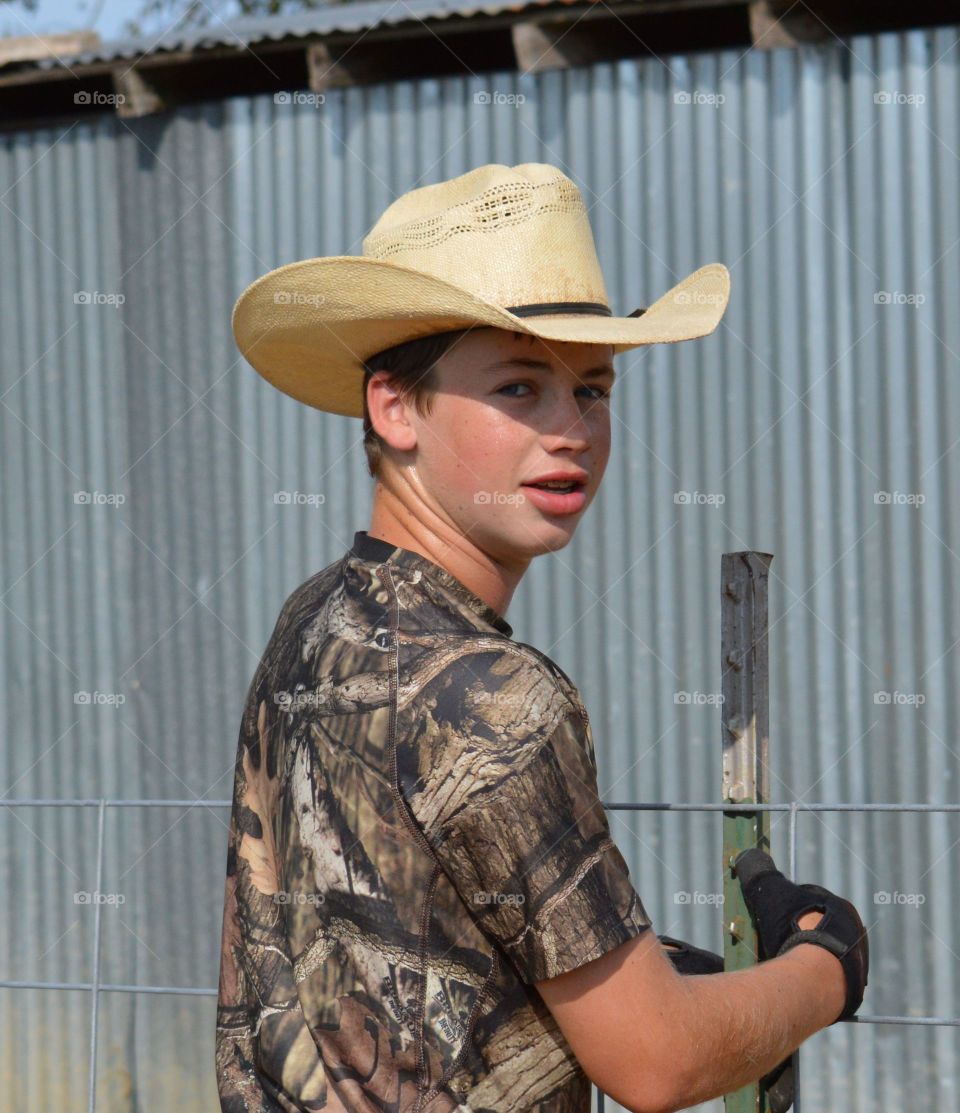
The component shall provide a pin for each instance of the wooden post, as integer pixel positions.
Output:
(745, 730)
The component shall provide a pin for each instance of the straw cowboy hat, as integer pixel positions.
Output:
(502, 246)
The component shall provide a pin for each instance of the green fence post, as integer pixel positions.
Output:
(745, 729)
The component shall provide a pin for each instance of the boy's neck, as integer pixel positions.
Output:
(392, 522)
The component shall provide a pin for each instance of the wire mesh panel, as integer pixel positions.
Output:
(108, 1082)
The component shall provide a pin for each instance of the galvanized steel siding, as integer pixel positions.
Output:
(808, 400)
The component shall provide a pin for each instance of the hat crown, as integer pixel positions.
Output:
(511, 235)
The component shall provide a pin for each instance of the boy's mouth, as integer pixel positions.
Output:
(560, 482)
(561, 488)
(558, 494)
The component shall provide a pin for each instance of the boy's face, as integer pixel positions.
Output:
(509, 410)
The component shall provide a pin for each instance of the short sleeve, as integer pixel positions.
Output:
(529, 851)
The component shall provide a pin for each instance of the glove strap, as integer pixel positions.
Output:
(835, 946)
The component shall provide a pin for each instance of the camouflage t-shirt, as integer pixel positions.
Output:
(416, 838)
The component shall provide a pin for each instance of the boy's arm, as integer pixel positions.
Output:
(657, 1041)
(688, 959)
(704, 1036)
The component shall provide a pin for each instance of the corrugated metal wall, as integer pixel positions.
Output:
(814, 395)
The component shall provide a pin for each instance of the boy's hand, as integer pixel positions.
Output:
(776, 905)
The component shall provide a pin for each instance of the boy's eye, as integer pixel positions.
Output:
(599, 392)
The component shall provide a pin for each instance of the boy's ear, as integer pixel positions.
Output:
(390, 414)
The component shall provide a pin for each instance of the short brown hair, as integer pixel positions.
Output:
(411, 368)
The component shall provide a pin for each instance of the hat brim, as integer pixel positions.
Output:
(307, 327)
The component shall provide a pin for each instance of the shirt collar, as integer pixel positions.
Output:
(377, 549)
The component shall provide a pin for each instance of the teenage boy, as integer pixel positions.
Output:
(424, 908)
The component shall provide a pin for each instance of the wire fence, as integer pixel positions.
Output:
(96, 987)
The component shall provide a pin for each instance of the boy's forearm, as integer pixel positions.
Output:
(741, 1024)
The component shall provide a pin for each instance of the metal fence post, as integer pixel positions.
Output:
(745, 730)
(95, 987)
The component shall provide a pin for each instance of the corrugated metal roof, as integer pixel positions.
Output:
(335, 18)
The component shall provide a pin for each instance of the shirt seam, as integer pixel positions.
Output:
(421, 838)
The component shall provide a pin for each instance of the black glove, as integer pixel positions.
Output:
(776, 904)
(689, 959)
(694, 960)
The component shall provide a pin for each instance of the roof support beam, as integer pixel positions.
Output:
(776, 23)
